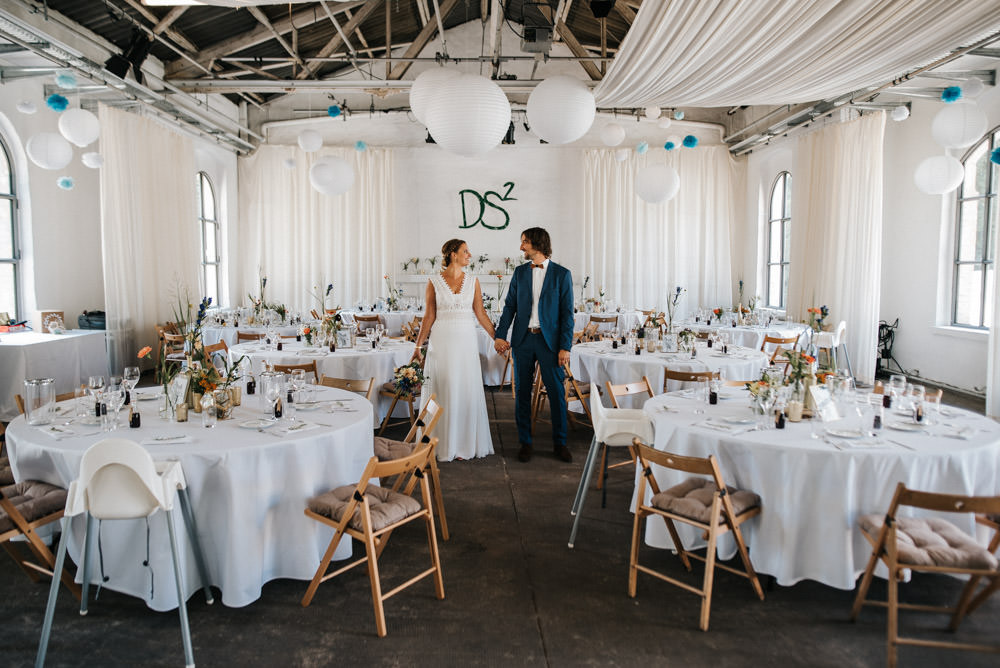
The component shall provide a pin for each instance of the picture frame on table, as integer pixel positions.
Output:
(826, 408)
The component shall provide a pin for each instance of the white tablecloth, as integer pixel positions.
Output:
(626, 320)
(599, 363)
(212, 335)
(68, 358)
(359, 362)
(393, 320)
(248, 490)
(813, 491)
(752, 337)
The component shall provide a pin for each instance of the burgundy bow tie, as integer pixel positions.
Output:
(537, 266)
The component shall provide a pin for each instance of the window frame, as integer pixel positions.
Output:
(15, 208)
(204, 223)
(991, 139)
(784, 218)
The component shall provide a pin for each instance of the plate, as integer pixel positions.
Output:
(845, 433)
(90, 420)
(906, 426)
(258, 424)
(738, 420)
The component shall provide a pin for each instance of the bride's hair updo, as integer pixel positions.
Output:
(449, 247)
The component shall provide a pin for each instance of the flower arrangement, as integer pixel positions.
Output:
(740, 302)
(508, 265)
(686, 336)
(415, 262)
(672, 301)
(488, 302)
(408, 378)
(432, 260)
(499, 289)
(205, 378)
(817, 315)
(752, 304)
(799, 366)
(260, 304)
(331, 324)
(406, 265)
(394, 293)
(321, 298)
(306, 332)
(586, 281)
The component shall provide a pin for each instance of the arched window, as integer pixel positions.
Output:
(975, 230)
(779, 223)
(9, 253)
(209, 222)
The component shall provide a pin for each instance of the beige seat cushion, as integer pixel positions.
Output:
(932, 541)
(32, 499)
(6, 474)
(386, 506)
(693, 499)
(387, 449)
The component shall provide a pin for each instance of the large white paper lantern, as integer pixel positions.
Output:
(561, 109)
(939, 175)
(468, 115)
(900, 113)
(657, 183)
(79, 127)
(423, 89)
(49, 150)
(612, 134)
(959, 125)
(973, 88)
(310, 141)
(621, 155)
(93, 160)
(664, 122)
(331, 175)
(652, 113)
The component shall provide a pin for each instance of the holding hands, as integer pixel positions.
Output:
(501, 346)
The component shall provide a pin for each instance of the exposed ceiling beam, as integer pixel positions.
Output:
(326, 85)
(366, 9)
(388, 40)
(178, 38)
(169, 18)
(577, 50)
(625, 11)
(496, 32)
(357, 31)
(425, 14)
(421, 40)
(264, 21)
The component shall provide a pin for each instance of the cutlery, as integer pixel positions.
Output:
(902, 445)
(167, 438)
(833, 443)
(269, 433)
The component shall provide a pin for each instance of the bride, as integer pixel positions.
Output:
(452, 367)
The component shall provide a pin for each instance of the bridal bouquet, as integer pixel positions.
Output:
(408, 378)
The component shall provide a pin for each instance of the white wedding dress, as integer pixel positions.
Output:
(453, 374)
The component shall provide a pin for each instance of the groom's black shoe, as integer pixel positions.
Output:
(562, 452)
(524, 455)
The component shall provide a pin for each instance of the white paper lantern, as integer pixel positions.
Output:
(79, 127)
(49, 150)
(973, 88)
(423, 89)
(468, 115)
(331, 175)
(561, 109)
(939, 175)
(621, 155)
(652, 113)
(310, 140)
(26, 107)
(900, 113)
(288, 163)
(612, 134)
(959, 125)
(657, 183)
(664, 122)
(93, 160)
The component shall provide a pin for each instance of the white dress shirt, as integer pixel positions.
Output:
(537, 278)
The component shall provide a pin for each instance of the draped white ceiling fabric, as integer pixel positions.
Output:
(302, 240)
(150, 237)
(713, 53)
(837, 232)
(638, 252)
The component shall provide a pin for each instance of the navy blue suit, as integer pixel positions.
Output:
(555, 316)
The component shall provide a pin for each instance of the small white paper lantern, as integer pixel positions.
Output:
(561, 109)
(664, 122)
(92, 160)
(468, 115)
(310, 141)
(331, 175)
(939, 175)
(657, 183)
(973, 88)
(49, 150)
(79, 127)
(652, 113)
(621, 155)
(423, 89)
(959, 125)
(26, 107)
(288, 163)
(612, 134)
(900, 113)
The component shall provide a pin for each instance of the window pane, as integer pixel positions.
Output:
(977, 171)
(774, 285)
(787, 213)
(211, 253)
(212, 283)
(6, 184)
(787, 228)
(6, 229)
(968, 294)
(207, 200)
(774, 241)
(988, 306)
(784, 286)
(970, 230)
(777, 195)
(8, 290)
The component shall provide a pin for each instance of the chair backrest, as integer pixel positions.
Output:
(697, 465)
(65, 396)
(248, 336)
(735, 383)
(360, 386)
(171, 328)
(840, 334)
(309, 367)
(220, 347)
(690, 376)
(426, 420)
(365, 321)
(778, 342)
(118, 480)
(625, 389)
(417, 460)
(173, 342)
(598, 412)
(314, 314)
(604, 319)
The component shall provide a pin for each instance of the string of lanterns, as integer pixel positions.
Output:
(960, 124)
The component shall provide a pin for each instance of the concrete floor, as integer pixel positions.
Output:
(515, 595)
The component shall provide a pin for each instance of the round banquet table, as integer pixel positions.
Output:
(212, 335)
(393, 320)
(359, 362)
(248, 490)
(598, 362)
(626, 320)
(751, 336)
(814, 489)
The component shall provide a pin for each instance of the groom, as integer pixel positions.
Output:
(540, 303)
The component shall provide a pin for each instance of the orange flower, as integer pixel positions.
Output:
(145, 351)
(808, 359)
(307, 331)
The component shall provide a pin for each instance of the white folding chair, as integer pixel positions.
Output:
(612, 427)
(119, 480)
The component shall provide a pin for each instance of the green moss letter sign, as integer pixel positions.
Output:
(474, 209)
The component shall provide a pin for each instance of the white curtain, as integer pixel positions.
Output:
(302, 240)
(836, 257)
(639, 252)
(714, 53)
(150, 237)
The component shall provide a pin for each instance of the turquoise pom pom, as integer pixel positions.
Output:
(690, 141)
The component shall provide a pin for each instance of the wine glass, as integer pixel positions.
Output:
(766, 399)
(272, 391)
(131, 379)
(897, 385)
(114, 397)
(96, 384)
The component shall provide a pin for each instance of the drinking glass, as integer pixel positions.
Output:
(96, 384)
(131, 379)
(114, 397)
(766, 398)
(701, 395)
(208, 412)
(897, 385)
(916, 397)
(932, 407)
(273, 389)
(84, 406)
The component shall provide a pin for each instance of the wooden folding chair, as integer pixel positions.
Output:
(778, 342)
(601, 320)
(220, 348)
(421, 432)
(360, 386)
(248, 336)
(366, 321)
(508, 364)
(315, 314)
(349, 510)
(904, 544)
(19, 400)
(573, 392)
(308, 367)
(729, 508)
(616, 391)
(687, 376)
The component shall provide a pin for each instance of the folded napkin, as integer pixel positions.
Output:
(961, 433)
(719, 426)
(57, 431)
(296, 428)
(166, 440)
